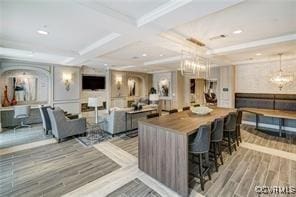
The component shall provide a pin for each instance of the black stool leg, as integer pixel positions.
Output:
(220, 152)
(200, 172)
(229, 143)
(215, 156)
(234, 143)
(208, 165)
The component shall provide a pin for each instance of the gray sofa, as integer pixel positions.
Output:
(63, 127)
(115, 122)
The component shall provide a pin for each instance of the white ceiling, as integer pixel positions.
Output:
(114, 32)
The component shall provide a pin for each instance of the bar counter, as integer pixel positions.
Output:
(163, 146)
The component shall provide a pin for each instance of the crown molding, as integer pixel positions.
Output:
(99, 43)
(160, 11)
(258, 43)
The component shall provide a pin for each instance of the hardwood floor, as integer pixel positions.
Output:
(57, 169)
(251, 135)
(10, 138)
(127, 144)
(245, 169)
(134, 188)
(52, 170)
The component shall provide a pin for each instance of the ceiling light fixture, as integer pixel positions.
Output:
(258, 54)
(194, 65)
(144, 54)
(161, 55)
(282, 78)
(237, 31)
(105, 64)
(42, 32)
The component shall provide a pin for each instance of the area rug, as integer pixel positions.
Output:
(94, 138)
(134, 188)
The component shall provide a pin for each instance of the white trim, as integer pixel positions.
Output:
(99, 43)
(270, 151)
(270, 126)
(163, 61)
(253, 44)
(160, 11)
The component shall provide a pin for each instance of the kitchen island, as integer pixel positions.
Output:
(163, 146)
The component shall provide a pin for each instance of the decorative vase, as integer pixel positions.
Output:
(5, 102)
(13, 101)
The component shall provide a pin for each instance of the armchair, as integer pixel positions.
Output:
(45, 118)
(63, 127)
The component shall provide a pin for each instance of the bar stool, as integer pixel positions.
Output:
(216, 140)
(238, 123)
(186, 108)
(153, 115)
(173, 111)
(230, 130)
(199, 147)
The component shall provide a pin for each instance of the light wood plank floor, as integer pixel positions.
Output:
(251, 135)
(52, 170)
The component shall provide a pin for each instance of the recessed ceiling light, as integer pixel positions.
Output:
(161, 55)
(42, 32)
(144, 54)
(258, 54)
(237, 31)
(105, 64)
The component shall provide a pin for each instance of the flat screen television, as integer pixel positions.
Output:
(93, 82)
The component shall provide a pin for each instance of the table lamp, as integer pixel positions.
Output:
(94, 102)
(153, 98)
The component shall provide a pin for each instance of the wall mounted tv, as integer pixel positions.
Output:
(93, 82)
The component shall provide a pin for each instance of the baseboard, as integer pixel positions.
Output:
(269, 126)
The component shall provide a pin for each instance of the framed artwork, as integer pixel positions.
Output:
(164, 88)
(25, 88)
(192, 86)
(131, 87)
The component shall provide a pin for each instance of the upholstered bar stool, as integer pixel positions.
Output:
(153, 115)
(199, 147)
(186, 108)
(238, 123)
(230, 130)
(216, 140)
(173, 111)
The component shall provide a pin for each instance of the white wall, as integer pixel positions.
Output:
(226, 86)
(67, 100)
(101, 94)
(254, 78)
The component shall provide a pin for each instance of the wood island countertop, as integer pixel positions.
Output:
(186, 122)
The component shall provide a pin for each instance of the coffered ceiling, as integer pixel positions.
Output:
(145, 35)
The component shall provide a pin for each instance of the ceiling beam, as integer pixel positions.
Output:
(253, 44)
(161, 11)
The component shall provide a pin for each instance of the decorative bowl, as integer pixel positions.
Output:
(201, 110)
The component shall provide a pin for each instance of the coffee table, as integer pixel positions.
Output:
(95, 132)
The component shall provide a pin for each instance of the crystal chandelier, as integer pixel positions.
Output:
(194, 65)
(282, 78)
